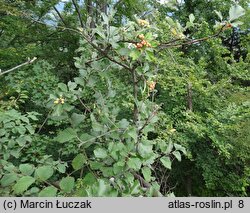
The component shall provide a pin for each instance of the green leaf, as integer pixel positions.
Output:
(135, 189)
(123, 123)
(78, 161)
(146, 173)
(177, 154)
(23, 184)
(8, 179)
(72, 85)
(49, 191)
(219, 14)
(63, 87)
(191, 18)
(26, 169)
(180, 148)
(58, 110)
(76, 119)
(144, 150)
(102, 188)
(89, 179)
(44, 172)
(166, 162)
(124, 51)
(132, 133)
(135, 54)
(169, 148)
(235, 12)
(100, 153)
(67, 184)
(66, 135)
(134, 163)
(62, 167)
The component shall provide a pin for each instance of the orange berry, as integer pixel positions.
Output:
(151, 85)
(148, 45)
(139, 45)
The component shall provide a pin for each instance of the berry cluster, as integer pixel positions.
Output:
(60, 100)
(143, 42)
(151, 85)
(143, 23)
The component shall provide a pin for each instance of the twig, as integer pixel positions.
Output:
(44, 122)
(94, 138)
(105, 54)
(83, 104)
(78, 13)
(142, 181)
(173, 44)
(153, 114)
(117, 4)
(60, 16)
(93, 60)
(21, 65)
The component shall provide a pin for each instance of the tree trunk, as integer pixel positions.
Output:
(90, 12)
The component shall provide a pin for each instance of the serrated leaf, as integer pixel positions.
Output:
(78, 161)
(26, 169)
(146, 173)
(166, 162)
(144, 150)
(62, 167)
(49, 191)
(66, 135)
(63, 87)
(177, 154)
(235, 12)
(67, 184)
(134, 163)
(89, 179)
(123, 123)
(76, 119)
(23, 184)
(100, 153)
(44, 172)
(8, 179)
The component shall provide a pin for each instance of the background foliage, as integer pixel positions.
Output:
(126, 98)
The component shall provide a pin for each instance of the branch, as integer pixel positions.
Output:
(117, 4)
(153, 114)
(83, 104)
(105, 54)
(173, 44)
(60, 16)
(21, 65)
(142, 181)
(93, 60)
(78, 13)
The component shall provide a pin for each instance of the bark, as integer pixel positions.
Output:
(90, 12)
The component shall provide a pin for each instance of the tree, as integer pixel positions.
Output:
(144, 105)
